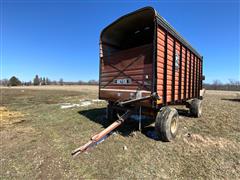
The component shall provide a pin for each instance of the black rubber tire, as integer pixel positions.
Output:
(163, 124)
(111, 114)
(196, 108)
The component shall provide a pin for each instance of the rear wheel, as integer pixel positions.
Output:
(196, 108)
(167, 123)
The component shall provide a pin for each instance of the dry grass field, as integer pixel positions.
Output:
(37, 137)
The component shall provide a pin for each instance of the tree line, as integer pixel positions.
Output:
(231, 85)
(42, 81)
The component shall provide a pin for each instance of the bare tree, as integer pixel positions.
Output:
(92, 82)
(4, 82)
(232, 85)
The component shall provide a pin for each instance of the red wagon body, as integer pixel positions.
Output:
(142, 52)
(142, 55)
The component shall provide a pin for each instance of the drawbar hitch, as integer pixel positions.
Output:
(100, 136)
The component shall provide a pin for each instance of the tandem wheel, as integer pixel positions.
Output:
(167, 123)
(196, 107)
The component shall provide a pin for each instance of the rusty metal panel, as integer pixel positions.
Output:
(134, 64)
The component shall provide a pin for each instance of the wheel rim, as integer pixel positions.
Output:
(173, 126)
(200, 110)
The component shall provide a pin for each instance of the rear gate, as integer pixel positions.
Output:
(125, 72)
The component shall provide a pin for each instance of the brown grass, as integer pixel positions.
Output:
(9, 117)
(77, 88)
(40, 146)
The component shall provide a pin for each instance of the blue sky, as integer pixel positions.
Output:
(60, 39)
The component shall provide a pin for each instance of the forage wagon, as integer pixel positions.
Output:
(145, 62)
(148, 67)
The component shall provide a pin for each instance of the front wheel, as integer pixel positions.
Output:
(167, 123)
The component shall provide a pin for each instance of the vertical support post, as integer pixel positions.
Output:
(140, 119)
(189, 78)
(100, 66)
(165, 71)
(193, 77)
(201, 70)
(173, 70)
(180, 76)
(154, 66)
(197, 78)
(185, 75)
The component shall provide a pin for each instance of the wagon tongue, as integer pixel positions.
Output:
(98, 137)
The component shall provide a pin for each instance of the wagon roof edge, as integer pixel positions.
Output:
(161, 21)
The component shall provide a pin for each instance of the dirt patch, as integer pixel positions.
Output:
(197, 140)
(8, 117)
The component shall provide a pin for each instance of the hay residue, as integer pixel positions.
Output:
(9, 117)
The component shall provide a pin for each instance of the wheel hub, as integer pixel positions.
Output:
(173, 126)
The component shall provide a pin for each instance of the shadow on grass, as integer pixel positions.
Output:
(234, 100)
(97, 115)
